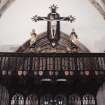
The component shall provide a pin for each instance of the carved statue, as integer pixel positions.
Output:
(33, 37)
(73, 36)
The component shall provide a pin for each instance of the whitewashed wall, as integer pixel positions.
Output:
(16, 25)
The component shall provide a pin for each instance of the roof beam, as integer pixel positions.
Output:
(98, 7)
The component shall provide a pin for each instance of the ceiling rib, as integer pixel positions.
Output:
(93, 2)
(5, 5)
(98, 7)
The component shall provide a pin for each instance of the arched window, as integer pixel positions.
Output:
(74, 100)
(46, 100)
(17, 99)
(60, 100)
(31, 100)
(4, 96)
(88, 99)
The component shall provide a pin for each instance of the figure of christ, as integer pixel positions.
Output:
(53, 22)
(53, 29)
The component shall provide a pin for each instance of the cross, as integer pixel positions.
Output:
(53, 24)
(38, 18)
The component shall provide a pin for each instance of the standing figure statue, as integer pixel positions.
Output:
(33, 37)
(53, 26)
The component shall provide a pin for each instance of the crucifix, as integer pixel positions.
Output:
(53, 24)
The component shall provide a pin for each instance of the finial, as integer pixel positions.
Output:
(53, 8)
(71, 18)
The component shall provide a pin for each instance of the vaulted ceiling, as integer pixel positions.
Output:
(98, 4)
(16, 24)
